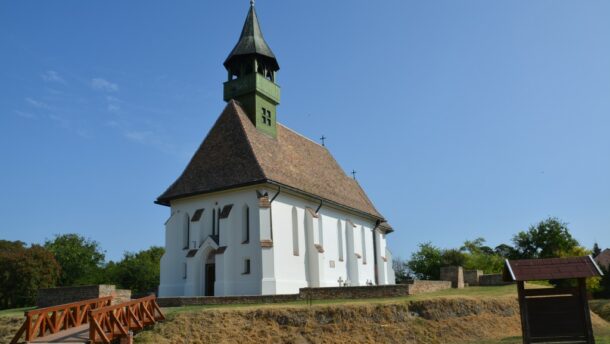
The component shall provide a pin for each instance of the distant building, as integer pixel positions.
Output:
(260, 209)
(603, 259)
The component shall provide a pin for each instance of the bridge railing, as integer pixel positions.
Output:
(49, 320)
(111, 322)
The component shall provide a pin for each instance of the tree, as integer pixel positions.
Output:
(453, 257)
(596, 250)
(23, 271)
(426, 262)
(481, 257)
(548, 239)
(80, 259)
(137, 271)
(401, 270)
(506, 251)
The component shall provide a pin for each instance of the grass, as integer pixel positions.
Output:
(470, 292)
(15, 312)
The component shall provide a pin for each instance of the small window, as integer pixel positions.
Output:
(266, 117)
(183, 270)
(226, 211)
(197, 215)
(246, 267)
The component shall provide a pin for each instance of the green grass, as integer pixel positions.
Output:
(15, 312)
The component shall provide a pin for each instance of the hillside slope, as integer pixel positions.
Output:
(443, 320)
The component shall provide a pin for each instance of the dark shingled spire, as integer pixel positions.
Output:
(251, 42)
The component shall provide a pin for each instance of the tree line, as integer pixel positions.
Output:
(550, 238)
(70, 260)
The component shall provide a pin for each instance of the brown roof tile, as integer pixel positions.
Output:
(550, 268)
(235, 153)
(603, 259)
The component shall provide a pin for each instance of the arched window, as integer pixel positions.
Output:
(245, 236)
(186, 229)
(340, 240)
(295, 232)
(363, 244)
(214, 222)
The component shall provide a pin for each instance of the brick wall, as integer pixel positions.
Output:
(58, 296)
(415, 287)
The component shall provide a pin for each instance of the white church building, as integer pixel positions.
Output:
(261, 209)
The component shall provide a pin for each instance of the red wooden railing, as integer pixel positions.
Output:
(45, 321)
(111, 322)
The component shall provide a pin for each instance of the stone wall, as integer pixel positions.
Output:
(58, 296)
(492, 279)
(419, 287)
(455, 274)
(224, 300)
(415, 287)
(471, 277)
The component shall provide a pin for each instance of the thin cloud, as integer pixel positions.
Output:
(35, 103)
(100, 84)
(52, 76)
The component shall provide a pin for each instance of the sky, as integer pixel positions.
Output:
(463, 119)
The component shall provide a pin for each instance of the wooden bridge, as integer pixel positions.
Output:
(89, 321)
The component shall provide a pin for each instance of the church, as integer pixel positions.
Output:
(261, 209)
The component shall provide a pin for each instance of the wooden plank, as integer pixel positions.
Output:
(19, 333)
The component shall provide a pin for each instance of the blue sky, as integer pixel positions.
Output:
(461, 118)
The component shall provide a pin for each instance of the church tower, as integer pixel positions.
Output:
(252, 70)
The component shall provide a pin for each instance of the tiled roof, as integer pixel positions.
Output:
(235, 153)
(550, 268)
(603, 259)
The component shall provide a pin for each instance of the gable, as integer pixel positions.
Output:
(236, 154)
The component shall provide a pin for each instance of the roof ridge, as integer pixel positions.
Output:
(301, 135)
(237, 106)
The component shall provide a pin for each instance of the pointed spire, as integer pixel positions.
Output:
(251, 42)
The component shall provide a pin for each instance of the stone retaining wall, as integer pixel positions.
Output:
(58, 296)
(492, 279)
(224, 300)
(471, 277)
(416, 287)
(455, 274)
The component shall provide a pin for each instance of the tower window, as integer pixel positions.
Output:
(266, 117)
(246, 226)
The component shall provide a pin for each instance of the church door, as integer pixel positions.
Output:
(210, 278)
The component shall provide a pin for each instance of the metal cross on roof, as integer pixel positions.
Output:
(322, 139)
(251, 2)
(354, 174)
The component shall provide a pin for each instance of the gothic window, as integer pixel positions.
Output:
(214, 222)
(246, 226)
(363, 244)
(295, 232)
(186, 228)
(340, 240)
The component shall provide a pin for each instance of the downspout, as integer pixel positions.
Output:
(279, 189)
(320, 206)
(377, 223)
